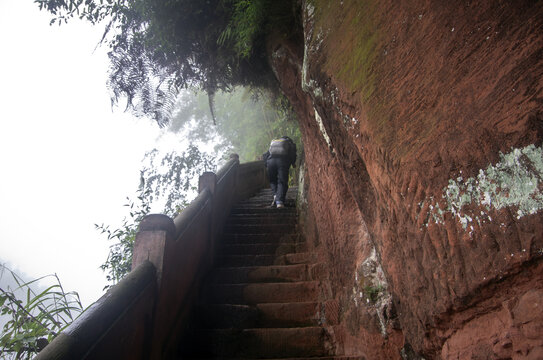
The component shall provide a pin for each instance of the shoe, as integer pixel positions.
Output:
(273, 202)
(280, 205)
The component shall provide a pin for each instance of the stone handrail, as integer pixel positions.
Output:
(144, 315)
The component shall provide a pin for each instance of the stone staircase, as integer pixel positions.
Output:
(264, 298)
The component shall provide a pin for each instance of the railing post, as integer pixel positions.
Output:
(235, 184)
(207, 180)
(156, 232)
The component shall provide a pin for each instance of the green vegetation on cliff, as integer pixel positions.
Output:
(158, 47)
(350, 50)
(355, 37)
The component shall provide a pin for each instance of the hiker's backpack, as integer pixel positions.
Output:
(280, 147)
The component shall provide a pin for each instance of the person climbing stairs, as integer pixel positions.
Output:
(262, 298)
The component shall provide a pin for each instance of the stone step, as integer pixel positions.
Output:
(236, 210)
(259, 238)
(291, 192)
(296, 358)
(275, 273)
(262, 293)
(264, 299)
(264, 343)
(263, 249)
(263, 219)
(227, 316)
(267, 194)
(259, 228)
(300, 314)
(261, 260)
(229, 261)
(248, 208)
(284, 315)
(264, 200)
(272, 315)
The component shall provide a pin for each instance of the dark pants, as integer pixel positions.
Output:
(278, 175)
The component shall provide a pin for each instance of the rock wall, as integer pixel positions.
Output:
(422, 128)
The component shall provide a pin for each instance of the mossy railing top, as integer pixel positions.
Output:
(144, 315)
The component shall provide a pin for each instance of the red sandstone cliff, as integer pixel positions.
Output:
(422, 127)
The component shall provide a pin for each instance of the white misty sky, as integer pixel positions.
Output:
(67, 160)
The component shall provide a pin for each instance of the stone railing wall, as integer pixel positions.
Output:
(143, 316)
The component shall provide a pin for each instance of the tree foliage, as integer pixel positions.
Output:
(173, 177)
(119, 259)
(247, 120)
(34, 318)
(168, 182)
(157, 47)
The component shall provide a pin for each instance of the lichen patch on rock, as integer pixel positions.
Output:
(515, 181)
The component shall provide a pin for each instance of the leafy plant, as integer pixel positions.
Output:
(158, 47)
(373, 292)
(119, 259)
(172, 180)
(34, 319)
(245, 25)
(169, 182)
